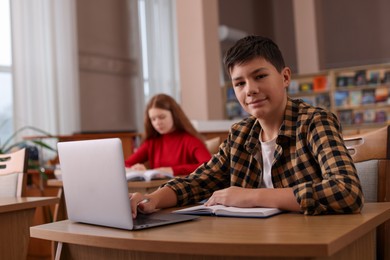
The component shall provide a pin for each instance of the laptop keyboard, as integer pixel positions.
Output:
(146, 219)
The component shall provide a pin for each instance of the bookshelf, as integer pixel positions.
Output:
(359, 96)
(233, 109)
(314, 89)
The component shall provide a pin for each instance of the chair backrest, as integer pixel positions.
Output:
(13, 169)
(213, 144)
(371, 155)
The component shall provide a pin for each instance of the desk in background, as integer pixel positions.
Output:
(293, 236)
(16, 217)
(129, 139)
(134, 186)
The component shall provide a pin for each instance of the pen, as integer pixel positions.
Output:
(144, 201)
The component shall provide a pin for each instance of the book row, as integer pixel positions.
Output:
(321, 100)
(363, 78)
(368, 116)
(317, 84)
(362, 97)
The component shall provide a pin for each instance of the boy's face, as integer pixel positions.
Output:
(260, 88)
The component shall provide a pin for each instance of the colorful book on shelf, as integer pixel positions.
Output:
(293, 88)
(320, 83)
(233, 109)
(355, 98)
(346, 79)
(361, 78)
(381, 95)
(346, 117)
(381, 116)
(368, 96)
(341, 98)
(310, 100)
(341, 81)
(386, 77)
(225, 211)
(322, 100)
(374, 77)
(351, 81)
(306, 87)
(230, 94)
(369, 116)
(148, 175)
(358, 118)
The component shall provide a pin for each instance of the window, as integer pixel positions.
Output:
(6, 94)
(144, 53)
(158, 47)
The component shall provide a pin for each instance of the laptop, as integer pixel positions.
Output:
(95, 186)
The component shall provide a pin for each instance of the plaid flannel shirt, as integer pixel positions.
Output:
(310, 157)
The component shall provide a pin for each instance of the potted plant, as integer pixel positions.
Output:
(33, 146)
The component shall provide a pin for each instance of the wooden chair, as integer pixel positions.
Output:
(213, 144)
(371, 154)
(13, 170)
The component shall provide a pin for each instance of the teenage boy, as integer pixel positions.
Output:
(287, 154)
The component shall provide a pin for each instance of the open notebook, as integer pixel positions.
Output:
(225, 211)
(95, 186)
(148, 175)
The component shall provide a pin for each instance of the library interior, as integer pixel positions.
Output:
(85, 69)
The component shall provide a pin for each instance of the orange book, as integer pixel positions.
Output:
(319, 83)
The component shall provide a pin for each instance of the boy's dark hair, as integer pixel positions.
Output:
(251, 47)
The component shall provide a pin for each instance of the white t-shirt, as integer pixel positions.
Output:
(267, 151)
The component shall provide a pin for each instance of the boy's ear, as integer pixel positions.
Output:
(286, 73)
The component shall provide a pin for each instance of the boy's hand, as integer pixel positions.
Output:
(233, 196)
(141, 203)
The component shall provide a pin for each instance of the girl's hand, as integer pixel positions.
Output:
(138, 167)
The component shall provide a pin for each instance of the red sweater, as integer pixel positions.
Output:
(179, 150)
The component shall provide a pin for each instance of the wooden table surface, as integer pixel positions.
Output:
(14, 204)
(133, 185)
(284, 235)
(16, 217)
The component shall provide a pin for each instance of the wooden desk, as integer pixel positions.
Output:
(211, 134)
(16, 217)
(292, 236)
(129, 139)
(134, 186)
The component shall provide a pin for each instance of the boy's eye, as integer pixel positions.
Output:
(240, 83)
(261, 76)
